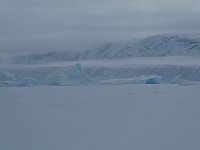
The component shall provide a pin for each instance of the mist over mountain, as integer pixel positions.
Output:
(152, 46)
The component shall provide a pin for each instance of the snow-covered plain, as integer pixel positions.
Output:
(130, 117)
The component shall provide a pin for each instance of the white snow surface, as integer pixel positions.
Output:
(129, 117)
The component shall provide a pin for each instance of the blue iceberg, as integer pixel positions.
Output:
(154, 80)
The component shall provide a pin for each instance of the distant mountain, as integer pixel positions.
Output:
(153, 46)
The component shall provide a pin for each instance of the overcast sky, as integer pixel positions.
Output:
(40, 25)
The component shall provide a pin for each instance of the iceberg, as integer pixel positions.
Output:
(153, 79)
(6, 76)
(7, 79)
(67, 76)
(57, 76)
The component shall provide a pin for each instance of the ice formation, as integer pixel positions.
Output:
(153, 79)
(71, 75)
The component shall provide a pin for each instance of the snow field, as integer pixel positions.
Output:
(158, 117)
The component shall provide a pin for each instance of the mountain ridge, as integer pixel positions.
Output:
(152, 46)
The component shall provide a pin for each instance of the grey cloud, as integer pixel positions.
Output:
(36, 25)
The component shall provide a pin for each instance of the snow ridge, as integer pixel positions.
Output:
(153, 46)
